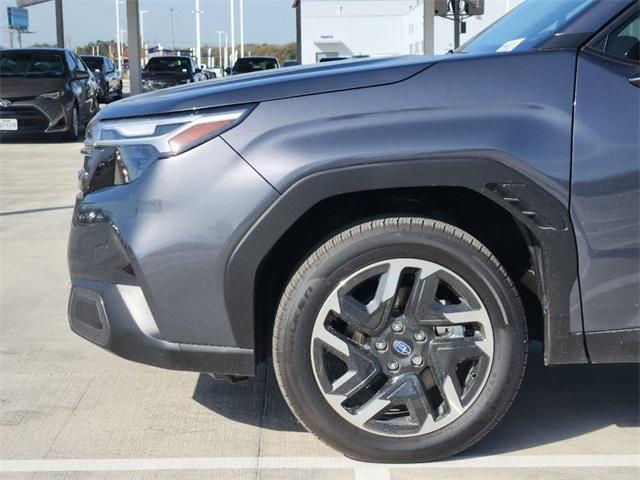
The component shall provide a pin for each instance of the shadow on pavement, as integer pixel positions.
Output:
(554, 403)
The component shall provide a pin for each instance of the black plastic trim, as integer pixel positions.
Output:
(557, 271)
(614, 346)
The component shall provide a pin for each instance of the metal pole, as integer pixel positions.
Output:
(428, 27)
(133, 31)
(119, 47)
(241, 28)
(173, 43)
(233, 30)
(220, 32)
(59, 25)
(456, 23)
(226, 51)
(144, 48)
(198, 55)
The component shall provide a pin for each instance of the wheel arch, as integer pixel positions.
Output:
(540, 217)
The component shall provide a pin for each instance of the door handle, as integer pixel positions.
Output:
(635, 79)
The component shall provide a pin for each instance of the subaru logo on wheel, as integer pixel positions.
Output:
(402, 348)
(5, 103)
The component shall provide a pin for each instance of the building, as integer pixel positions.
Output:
(348, 28)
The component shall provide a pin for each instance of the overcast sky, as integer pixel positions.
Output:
(266, 21)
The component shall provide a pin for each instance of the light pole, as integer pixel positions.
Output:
(220, 32)
(241, 28)
(119, 47)
(173, 43)
(232, 14)
(197, 12)
(144, 48)
(226, 51)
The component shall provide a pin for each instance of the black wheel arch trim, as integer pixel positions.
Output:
(536, 208)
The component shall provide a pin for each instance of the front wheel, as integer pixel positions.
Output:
(401, 339)
(73, 133)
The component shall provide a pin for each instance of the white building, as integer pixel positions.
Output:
(347, 28)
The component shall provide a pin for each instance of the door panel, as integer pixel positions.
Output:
(605, 198)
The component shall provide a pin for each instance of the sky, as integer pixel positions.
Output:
(266, 21)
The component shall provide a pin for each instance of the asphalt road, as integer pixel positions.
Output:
(71, 410)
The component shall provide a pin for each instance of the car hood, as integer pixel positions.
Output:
(25, 87)
(271, 85)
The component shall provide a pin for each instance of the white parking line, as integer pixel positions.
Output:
(362, 470)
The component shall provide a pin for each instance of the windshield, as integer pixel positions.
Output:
(94, 63)
(31, 64)
(526, 26)
(246, 65)
(168, 64)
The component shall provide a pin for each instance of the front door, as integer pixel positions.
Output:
(605, 202)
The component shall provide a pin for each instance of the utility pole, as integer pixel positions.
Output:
(59, 25)
(241, 28)
(119, 47)
(197, 12)
(133, 31)
(428, 27)
(232, 14)
(173, 43)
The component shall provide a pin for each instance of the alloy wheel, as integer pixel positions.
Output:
(402, 347)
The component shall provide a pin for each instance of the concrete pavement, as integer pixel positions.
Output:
(71, 410)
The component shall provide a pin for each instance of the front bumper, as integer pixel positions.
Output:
(39, 115)
(147, 261)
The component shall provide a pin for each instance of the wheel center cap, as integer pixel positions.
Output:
(402, 348)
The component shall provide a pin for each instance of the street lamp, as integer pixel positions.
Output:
(197, 12)
(241, 28)
(144, 48)
(173, 44)
(220, 32)
(118, 37)
(233, 29)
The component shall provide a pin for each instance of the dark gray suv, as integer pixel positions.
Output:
(391, 232)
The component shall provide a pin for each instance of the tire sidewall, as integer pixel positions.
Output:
(318, 282)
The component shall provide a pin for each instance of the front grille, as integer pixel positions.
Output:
(28, 117)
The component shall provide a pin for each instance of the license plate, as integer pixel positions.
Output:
(8, 124)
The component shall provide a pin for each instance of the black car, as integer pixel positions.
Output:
(389, 240)
(107, 76)
(45, 91)
(254, 64)
(163, 72)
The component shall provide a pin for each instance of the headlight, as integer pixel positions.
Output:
(52, 95)
(138, 142)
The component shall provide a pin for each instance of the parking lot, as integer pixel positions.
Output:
(70, 410)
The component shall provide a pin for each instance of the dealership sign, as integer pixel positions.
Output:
(18, 18)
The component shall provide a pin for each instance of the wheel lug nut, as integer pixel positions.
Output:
(381, 345)
(420, 336)
(397, 327)
(417, 360)
(393, 365)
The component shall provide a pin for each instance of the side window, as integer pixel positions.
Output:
(80, 64)
(624, 42)
(73, 66)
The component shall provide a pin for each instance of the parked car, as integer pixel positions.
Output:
(254, 64)
(163, 72)
(109, 79)
(290, 63)
(45, 91)
(210, 73)
(393, 231)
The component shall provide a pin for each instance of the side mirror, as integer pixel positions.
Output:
(80, 75)
(227, 71)
(197, 70)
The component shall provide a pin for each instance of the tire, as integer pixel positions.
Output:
(73, 134)
(449, 317)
